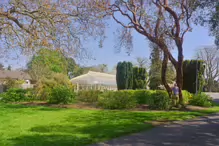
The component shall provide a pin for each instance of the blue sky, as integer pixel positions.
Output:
(107, 55)
(194, 40)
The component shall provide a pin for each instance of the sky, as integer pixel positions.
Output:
(194, 40)
(198, 38)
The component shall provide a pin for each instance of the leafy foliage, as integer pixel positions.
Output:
(61, 94)
(139, 78)
(142, 96)
(14, 95)
(201, 100)
(186, 96)
(190, 68)
(117, 100)
(131, 98)
(45, 85)
(160, 101)
(10, 83)
(47, 61)
(90, 96)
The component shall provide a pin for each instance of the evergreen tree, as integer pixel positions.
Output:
(124, 75)
(130, 75)
(155, 69)
(139, 78)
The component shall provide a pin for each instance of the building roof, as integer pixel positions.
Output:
(20, 75)
(95, 78)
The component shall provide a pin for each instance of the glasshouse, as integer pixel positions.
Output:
(95, 81)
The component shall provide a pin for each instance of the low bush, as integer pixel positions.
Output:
(90, 96)
(14, 95)
(160, 101)
(117, 100)
(201, 100)
(186, 96)
(45, 86)
(143, 96)
(31, 94)
(61, 94)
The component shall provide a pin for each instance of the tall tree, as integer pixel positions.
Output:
(211, 57)
(155, 68)
(47, 61)
(155, 77)
(124, 75)
(160, 22)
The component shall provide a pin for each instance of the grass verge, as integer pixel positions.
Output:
(43, 126)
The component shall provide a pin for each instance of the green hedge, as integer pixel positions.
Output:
(160, 100)
(89, 96)
(126, 99)
(117, 100)
(190, 68)
(61, 94)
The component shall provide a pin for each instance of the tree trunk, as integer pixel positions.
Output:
(179, 72)
(163, 74)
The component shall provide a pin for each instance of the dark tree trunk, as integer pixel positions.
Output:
(163, 74)
(179, 71)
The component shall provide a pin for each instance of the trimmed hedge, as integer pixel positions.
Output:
(117, 100)
(89, 96)
(190, 68)
(126, 99)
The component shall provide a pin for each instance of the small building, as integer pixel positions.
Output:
(15, 75)
(95, 81)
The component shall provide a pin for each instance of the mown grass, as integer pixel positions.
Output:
(43, 126)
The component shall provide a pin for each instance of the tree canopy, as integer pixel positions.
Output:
(47, 61)
(33, 24)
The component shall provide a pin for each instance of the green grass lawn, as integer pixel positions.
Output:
(43, 126)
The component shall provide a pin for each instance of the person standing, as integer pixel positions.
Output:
(175, 90)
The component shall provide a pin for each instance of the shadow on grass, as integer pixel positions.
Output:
(72, 135)
(23, 106)
(50, 140)
(95, 132)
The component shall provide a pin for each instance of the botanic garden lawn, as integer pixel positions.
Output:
(22, 125)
